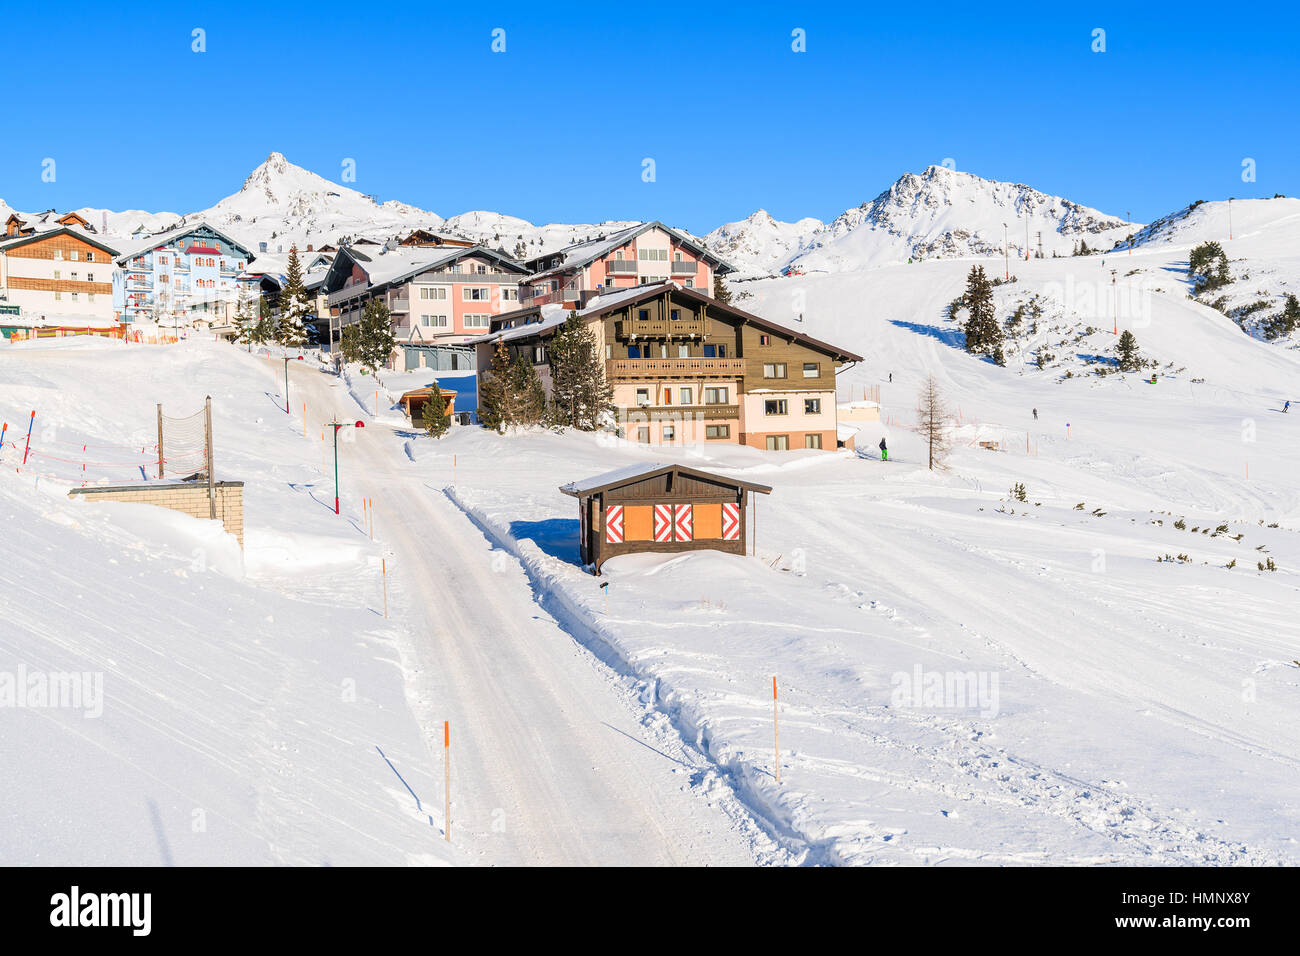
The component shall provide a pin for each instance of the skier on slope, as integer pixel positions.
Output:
(884, 452)
(1035, 414)
(1286, 407)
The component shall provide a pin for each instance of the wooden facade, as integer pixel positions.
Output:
(661, 508)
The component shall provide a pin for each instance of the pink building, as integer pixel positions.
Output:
(438, 296)
(639, 255)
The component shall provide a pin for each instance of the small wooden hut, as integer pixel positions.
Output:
(667, 508)
(413, 401)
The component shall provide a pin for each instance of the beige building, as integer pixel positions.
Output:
(57, 268)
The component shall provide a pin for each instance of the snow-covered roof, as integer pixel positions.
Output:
(581, 253)
(601, 304)
(46, 230)
(163, 238)
(636, 472)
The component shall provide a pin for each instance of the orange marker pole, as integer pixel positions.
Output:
(776, 732)
(446, 765)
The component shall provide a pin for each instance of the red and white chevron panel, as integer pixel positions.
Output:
(683, 523)
(663, 526)
(731, 522)
(614, 524)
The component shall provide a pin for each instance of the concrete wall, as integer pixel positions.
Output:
(188, 497)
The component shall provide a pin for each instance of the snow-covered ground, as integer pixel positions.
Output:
(1100, 673)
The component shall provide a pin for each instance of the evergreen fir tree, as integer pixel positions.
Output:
(526, 397)
(433, 416)
(492, 390)
(374, 341)
(720, 290)
(295, 305)
(1127, 351)
(580, 395)
(983, 334)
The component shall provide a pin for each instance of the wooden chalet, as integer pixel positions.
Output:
(668, 508)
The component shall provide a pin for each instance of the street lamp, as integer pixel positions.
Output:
(336, 426)
(287, 360)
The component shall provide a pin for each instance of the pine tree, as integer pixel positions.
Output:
(245, 318)
(373, 341)
(580, 395)
(492, 390)
(525, 393)
(433, 416)
(983, 334)
(1126, 349)
(295, 305)
(1284, 322)
(720, 290)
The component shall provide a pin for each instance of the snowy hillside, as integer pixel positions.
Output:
(759, 244)
(943, 213)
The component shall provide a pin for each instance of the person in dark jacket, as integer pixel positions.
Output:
(1035, 414)
(884, 452)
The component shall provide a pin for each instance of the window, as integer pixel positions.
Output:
(90, 257)
(634, 351)
(510, 295)
(90, 297)
(433, 292)
(480, 269)
(765, 340)
(642, 397)
(717, 431)
(651, 280)
(74, 255)
(74, 276)
(812, 440)
(477, 293)
(812, 406)
(477, 320)
(688, 283)
(433, 321)
(643, 315)
(74, 297)
(778, 442)
(774, 370)
(669, 433)
(715, 351)
(776, 406)
(58, 296)
(643, 435)
(90, 277)
(683, 351)
(619, 255)
(652, 255)
(56, 274)
(675, 315)
(685, 394)
(539, 354)
(609, 351)
(812, 369)
(677, 257)
(715, 396)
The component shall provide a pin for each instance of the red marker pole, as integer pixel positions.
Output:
(27, 447)
(2, 438)
(446, 766)
(776, 732)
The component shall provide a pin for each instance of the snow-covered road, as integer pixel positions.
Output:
(554, 758)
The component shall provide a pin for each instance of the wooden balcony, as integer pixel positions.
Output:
(661, 328)
(634, 369)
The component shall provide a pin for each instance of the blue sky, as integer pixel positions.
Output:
(556, 127)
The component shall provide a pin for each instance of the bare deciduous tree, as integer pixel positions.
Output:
(932, 415)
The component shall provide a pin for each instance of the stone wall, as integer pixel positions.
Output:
(188, 497)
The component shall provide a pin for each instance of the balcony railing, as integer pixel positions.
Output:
(661, 328)
(399, 305)
(666, 368)
(685, 268)
(621, 266)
